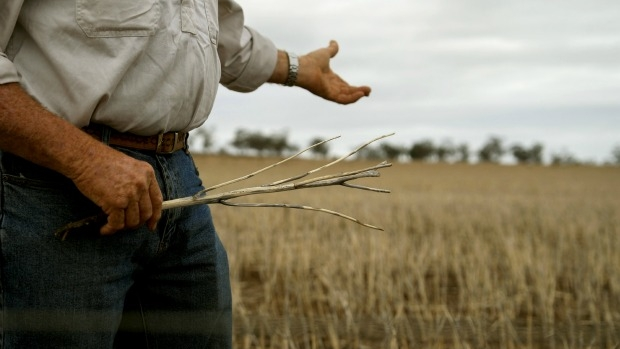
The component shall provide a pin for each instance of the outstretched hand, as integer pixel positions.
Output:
(316, 76)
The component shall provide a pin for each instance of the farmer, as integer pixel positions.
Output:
(96, 99)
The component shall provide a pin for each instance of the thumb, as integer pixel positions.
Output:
(333, 48)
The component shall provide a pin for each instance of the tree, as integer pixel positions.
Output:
(247, 140)
(241, 140)
(444, 151)
(390, 151)
(320, 150)
(536, 154)
(524, 155)
(492, 150)
(202, 139)
(462, 153)
(275, 144)
(278, 143)
(421, 151)
(615, 153)
(521, 154)
(564, 158)
(369, 153)
(258, 142)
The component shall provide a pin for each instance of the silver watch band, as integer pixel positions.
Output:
(293, 68)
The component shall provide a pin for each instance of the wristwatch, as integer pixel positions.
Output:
(293, 68)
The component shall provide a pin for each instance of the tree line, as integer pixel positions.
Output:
(493, 150)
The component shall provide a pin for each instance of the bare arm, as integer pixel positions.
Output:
(316, 76)
(125, 189)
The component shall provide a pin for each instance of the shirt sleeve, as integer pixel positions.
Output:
(247, 57)
(9, 11)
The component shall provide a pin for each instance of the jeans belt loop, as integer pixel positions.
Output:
(186, 143)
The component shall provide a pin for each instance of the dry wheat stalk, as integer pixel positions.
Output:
(286, 184)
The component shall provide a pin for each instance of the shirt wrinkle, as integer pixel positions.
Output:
(152, 70)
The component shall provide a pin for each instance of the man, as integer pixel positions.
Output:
(96, 98)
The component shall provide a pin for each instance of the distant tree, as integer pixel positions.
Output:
(492, 150)
(275, 144)
(391, 151)
(422, 151)
(523, 155)
(615, 153)
(257, 141)
(444, 151)
(520, 153)
(536, 154)
(369, 153)
(564, 158)
(278, 144)
(241, 141)
(320, 150)
(462, 153)
(202, 139)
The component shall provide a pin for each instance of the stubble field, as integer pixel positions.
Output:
(472, 256)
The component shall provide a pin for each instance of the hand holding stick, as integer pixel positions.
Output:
(287, 184)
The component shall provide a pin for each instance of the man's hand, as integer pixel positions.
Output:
(316, 76)
(126, 190)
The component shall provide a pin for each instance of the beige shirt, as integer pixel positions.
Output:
(141, 66)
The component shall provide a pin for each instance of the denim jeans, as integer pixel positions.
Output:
(134, 289)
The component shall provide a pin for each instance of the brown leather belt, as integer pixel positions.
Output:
(163, 143)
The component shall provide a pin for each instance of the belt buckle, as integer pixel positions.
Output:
(160, 143)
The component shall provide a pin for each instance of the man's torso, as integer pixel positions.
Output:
(143, 66)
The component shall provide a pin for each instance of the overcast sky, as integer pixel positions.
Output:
(524, 70)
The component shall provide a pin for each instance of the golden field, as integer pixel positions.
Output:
(472, 256)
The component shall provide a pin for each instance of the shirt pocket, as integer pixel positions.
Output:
(209, 11)
(116, 18)
(199, 17)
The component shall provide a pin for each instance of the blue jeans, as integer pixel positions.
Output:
(135, 289)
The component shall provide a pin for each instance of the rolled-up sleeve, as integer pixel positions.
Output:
(9, 11)
(247, 57)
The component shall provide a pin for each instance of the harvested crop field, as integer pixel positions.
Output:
(472, 256)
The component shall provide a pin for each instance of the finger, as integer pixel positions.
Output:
(349, 97)
(156, 204)
(132, 215)
(116, 222)
(146, 208)
(359, 92)
(333, 48)
(344, 93)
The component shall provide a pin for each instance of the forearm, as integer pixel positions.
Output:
(30, 131)
(280, 72)
(126, 189)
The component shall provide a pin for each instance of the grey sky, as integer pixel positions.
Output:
(526, 71)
